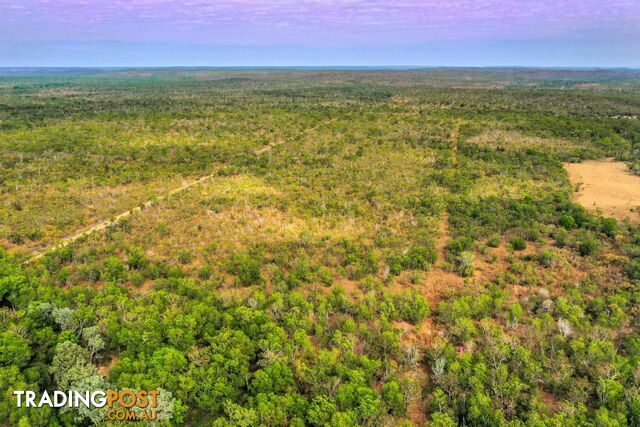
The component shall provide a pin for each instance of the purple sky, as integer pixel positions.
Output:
(305, 32)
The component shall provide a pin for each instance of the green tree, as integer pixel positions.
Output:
(114, 270)
(394, 398)
(440, 419)
(321, 410)
(246, 269)
(272, 379)
(14, 350)
(71, 364)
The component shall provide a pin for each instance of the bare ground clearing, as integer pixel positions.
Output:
(607, 185)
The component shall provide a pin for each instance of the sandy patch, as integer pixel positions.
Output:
(606, 185)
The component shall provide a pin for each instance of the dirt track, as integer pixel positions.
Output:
(607, 185)
(37, 254)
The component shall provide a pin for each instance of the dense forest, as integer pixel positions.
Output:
(344, 248)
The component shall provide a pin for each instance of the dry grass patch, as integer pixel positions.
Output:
(509, 140)
(228, 214)
(56, 211)
(509, 187)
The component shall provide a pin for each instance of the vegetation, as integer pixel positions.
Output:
(367, 248)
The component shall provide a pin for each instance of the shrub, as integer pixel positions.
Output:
(440, 419)
(301, 272)
(359, 260)
(494, 241)
(63, 255)
(246, 269)
(16, 238)
(90, 272)
(156, 270)
(205, 272)
(53, 261)
(632, 269)
(581, 216)
(455, 247)
(532, 234)
(567, 221)
(325, 276)
(185, 256)
(609, 227)
(124, 225)
(463, 329)
(412, 306)
(174, 272)
(63, 276)
(464, 264)
(417, 258)
(162, 229)
(547, 258)
(515, 312)
(518, 244)
(395, 264)
(137, 260)
(587, 247)
(136, 278)
(34, 234)
(114, 270)
(561, 237)
(394, 398)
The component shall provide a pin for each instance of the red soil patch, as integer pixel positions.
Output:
(437, 283)
(420, 336)
(550, 401)
(105, 369)
(144, 288)
(416, 410)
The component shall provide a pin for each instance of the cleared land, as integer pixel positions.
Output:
(607, 185)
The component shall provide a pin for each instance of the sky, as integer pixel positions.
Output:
(128, 33)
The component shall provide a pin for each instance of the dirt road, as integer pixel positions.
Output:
(37, 254)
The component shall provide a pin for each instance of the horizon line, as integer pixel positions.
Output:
(330, 67)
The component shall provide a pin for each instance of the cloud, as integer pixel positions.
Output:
(310, 21)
